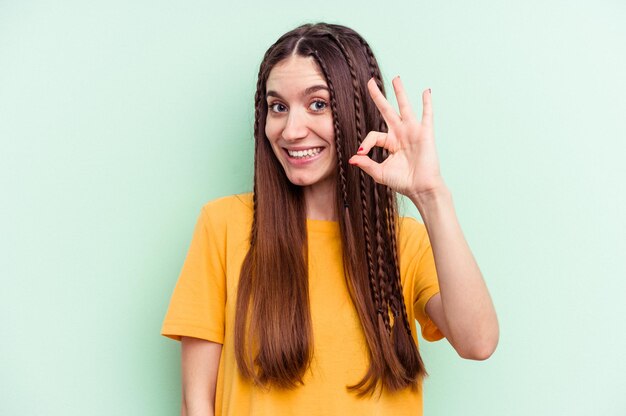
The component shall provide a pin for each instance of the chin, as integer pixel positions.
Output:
(302, 181)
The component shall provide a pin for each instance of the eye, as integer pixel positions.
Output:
(277, 107)
(318, 105)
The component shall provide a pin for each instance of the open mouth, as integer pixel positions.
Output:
(304, 154)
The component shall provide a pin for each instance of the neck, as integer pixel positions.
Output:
(320, 202)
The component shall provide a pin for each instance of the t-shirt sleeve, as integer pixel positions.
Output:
(197, 304)
(421, 265)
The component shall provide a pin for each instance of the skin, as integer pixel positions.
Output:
(297, 120)
(463, 310)
(200, 361)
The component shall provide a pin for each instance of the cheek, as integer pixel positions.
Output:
(329, 131)
(272, 129)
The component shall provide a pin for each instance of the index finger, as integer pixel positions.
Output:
(387, 111)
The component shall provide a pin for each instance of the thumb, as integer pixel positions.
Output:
(368, 166)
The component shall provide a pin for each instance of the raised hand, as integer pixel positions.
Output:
(463, 310)
(412, 167)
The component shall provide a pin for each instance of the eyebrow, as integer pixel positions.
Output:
(310, 90)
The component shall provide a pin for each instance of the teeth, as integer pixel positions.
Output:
(299, 154)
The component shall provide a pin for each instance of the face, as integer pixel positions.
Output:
(299, 122)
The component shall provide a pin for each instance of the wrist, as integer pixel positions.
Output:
(430, 196)
(432, 200)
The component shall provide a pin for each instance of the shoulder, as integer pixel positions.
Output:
(412, 235)
(229, 205)
(409, 227)
(228, 210)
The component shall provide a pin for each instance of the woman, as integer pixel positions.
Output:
(301, 297)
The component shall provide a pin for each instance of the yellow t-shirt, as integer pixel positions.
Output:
(203, 306)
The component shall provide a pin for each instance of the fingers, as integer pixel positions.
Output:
(370, 167)
(373, 138)
(387, 111)
(403, 101)
(427, 111)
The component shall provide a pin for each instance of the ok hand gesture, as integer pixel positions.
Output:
(412, 167)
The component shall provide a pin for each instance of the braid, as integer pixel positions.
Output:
(338, 136)
(391, 203)
(373, 65)
(257, 115)
(358, 105)
(412, 359)
(368, 244)
(383, 278)
(375, 73)
(391, 215)
(381, 126)
(360, 126)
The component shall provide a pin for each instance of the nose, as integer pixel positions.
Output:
(296, 126)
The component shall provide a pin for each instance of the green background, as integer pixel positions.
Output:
(119, 119)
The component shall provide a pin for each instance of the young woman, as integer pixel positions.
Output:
(301, 298)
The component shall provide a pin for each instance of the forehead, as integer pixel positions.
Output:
(294, 72)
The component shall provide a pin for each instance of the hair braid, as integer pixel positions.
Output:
(383, 278)
(338, 135)
(391, 211)
(391, 214)
(258, 96)
(412, 359)
(375, 73)
(373, 65)
(382, 127)
(368, 244)
(360, 126)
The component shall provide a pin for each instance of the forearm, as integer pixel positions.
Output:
(191, 407)
(467, 307)
(200, 364)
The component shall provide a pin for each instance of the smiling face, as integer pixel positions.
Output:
(299, 122)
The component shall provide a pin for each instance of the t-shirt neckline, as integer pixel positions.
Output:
(322, 226)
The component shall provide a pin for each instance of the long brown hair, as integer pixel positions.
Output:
(273, 335)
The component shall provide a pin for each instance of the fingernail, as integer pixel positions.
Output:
(429, 91)
(360, 149)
